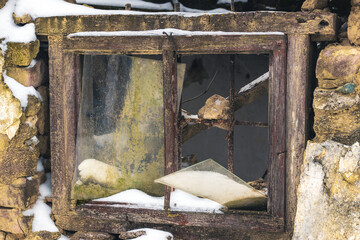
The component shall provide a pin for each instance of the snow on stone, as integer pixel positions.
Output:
(40, 166)
(229, 1)
(45, 188)
(41, 211)
(134, 4)
(153, 234)
(9, 31)
(160, 32)
(179, 201)
(20, 91)
(260, 79)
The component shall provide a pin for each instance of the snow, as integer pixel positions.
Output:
(179, 201)
(153, 234)
(50, 8)
(229, 1)
(20, 91)
(134, 4)
(41, 211)
(45, 188)
(260, 79)
(40, 166)
(9, 31)
(160, 32)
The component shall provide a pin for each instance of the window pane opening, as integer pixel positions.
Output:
(209, 85)
(120, 136)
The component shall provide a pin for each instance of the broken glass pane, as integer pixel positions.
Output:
(120, 135)
(210, 180)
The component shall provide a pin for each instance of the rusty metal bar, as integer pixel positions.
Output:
(230, 135)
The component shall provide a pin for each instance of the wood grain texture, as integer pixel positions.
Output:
(277, 129)
(216, 44)
(170, 96)
(298, 104)
(321, 26)
(63, 69)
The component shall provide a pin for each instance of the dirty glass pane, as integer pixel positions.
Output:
(120, 126)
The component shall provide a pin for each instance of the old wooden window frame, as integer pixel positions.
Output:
(65, 84)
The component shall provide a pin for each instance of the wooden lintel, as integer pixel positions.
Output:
(321, 26)
(259, 43)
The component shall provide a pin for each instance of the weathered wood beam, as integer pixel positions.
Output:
(242, 221)
(244, 96)
(321, 26)
(216, 44)
(298, 98)
(63, 69)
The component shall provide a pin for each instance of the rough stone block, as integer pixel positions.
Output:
(12, 221)
(44, 145)
(24, 19)
(355, 2)
(216, 107)
(33, 106)
(22, 193)
(338, 65)
(2, 3)
(21, 54)
(92, 235)
(10, 110)
(2, 235)
(32, 75)
(43, 124)
(43, 235)
(328, 205)
(354, 25)
(310, 5)
(20, 157)
(336, 116)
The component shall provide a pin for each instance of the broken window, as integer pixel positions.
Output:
(126, 126)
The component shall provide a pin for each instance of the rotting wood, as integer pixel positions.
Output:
(131, 235)
(243, 221)
(170, 97)
(320, 25)
(189, 44)
(79, 222)
(63, 71)
(241, 99)
(298, 105)
(277, 130)
(230, 134)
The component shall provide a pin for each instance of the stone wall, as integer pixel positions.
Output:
(329, 190)
(24, 135)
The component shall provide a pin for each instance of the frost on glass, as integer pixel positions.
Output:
(210, 180)
(120, 133)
